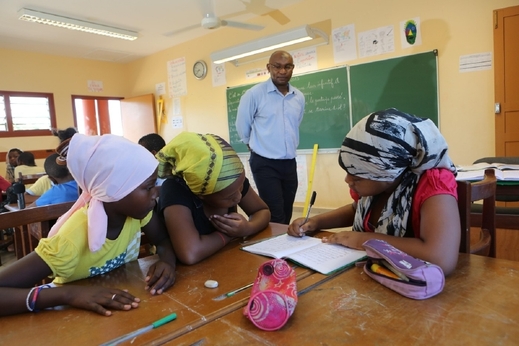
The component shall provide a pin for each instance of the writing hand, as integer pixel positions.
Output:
(299, 227)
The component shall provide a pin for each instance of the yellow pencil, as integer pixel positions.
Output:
(400, 275)
(383, 271)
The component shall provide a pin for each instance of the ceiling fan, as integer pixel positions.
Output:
(211, 21)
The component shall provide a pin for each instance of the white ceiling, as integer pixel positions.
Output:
(155, 20)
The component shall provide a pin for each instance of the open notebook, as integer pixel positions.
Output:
(308, 251)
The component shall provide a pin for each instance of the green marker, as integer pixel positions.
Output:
(137, 332)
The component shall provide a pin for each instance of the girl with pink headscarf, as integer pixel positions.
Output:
(99, 233)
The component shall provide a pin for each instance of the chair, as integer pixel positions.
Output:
(467, 194)
(32, 224)
(506, 216)
(30, 178)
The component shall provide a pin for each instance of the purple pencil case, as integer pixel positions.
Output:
(417, 279)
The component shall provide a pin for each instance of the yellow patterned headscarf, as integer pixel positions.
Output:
(207, 163)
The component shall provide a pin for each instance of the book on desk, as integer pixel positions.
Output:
(309, 252)
(475, 172)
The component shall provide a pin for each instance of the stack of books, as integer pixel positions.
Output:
(475, 172)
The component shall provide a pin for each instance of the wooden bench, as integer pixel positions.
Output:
(32, 224)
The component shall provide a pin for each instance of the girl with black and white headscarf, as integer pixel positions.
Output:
(403, 185)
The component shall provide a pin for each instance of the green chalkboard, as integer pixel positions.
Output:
(408, 83)
(327, 114)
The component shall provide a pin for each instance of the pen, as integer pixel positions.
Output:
(312, 201)
(137, 332)
(230, 294)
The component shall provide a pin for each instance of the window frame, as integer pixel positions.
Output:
(9, 120)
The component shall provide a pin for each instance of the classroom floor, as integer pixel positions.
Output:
(7, 258)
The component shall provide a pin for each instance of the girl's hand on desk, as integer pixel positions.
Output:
(99, 299)
(350, 239)
(160, 277)
(233, 225)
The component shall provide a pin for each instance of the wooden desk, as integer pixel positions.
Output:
(478, 306)
(28, 200)
(231, 267)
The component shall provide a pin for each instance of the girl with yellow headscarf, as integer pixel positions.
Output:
(206, 182)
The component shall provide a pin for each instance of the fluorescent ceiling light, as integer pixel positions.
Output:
(75, 24)
(287, 38)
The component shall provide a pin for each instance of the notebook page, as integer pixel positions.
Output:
(282, 246)
(326, 258)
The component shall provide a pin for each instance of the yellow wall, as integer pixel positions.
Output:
(61, 76)
(455, 28)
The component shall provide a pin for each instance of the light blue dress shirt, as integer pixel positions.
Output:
(268, 121)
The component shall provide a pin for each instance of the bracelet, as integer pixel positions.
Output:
(34, 298)
(31, 303)
(223, 238)
(28, 298)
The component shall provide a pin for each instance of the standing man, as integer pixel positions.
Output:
(268, 119)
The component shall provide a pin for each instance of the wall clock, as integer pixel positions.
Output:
(200, 69)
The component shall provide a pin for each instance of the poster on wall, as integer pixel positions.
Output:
(95, 85)
(377, 41)
(410, 33)
(218, 73)
(344, 43)
(160, 89)
(177, 81)
(177, 122)
(305, 60)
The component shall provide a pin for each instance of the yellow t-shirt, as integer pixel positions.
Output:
(69, 257)
(27, 170)
(40, 186)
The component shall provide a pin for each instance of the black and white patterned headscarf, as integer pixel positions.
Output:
(381, 147)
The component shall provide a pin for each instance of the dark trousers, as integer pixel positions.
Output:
(276, 181)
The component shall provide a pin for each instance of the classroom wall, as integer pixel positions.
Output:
(455, 28)
(61, 76)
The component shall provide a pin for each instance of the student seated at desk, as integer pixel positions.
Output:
(40, 186)
(27, 165)
(99, 233)
(153, 142)
(199, 199)
(404, 189)
(44, 183)
(11, 161)
(64, 187)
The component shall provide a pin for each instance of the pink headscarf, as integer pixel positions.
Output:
(107, 168)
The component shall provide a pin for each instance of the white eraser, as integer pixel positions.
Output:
(211, 284)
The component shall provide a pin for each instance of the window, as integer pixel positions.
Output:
(26, 114)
